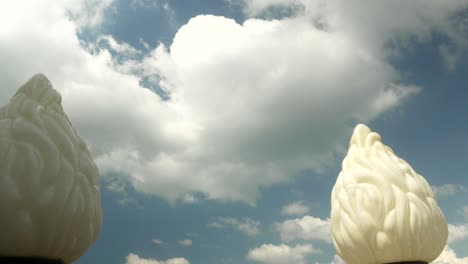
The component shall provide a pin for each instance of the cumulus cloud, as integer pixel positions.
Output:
(249, 105)
(305, 228)
(135, 259)
(416, 22)
(281, 254)
(457, 233)
(448, 256)
(245, 225)
(295, 208)
(291, 86)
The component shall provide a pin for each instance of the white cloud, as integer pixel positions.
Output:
(135, 4)
(192, 234)
(157, 241)
(295, 208)
(88, 13)
(256, 7)
(465, 212)
(448, 256)
(120, 185)
(377, 25)
(245, 225)
(185, 242)
(305, 228)
(457, 233)
(337, 260)
(189, 198)
(256, 147)
(135, 259)
(447, 189)
(215, 225)
(119, 48)
(250, 104)
(281, 254)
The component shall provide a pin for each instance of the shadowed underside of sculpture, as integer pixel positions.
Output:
(409, 262)
(13, 260)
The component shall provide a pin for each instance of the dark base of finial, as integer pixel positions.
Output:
(20, 260)
(409, 262)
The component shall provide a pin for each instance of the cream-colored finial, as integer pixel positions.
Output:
(50, 200)
(382, 211)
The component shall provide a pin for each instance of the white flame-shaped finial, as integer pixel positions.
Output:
(50, 201)
(382, 211)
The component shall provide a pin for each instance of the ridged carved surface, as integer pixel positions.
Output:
(382, 211)
(49, 185)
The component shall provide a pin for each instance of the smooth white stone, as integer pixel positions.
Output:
(49, 185)
(382, 211)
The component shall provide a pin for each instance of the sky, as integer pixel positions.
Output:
(219, 126)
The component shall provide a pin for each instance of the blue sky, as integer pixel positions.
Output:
(219, 126)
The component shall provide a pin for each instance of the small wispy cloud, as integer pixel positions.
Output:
(160, 5)
(192, 234)
(464, 211)
(120, 186)
(449, 189)
(189, 199)
(157, 241)
(295, 208)
(185, 242)
(121, 48)
(245, 225)
(215, 225)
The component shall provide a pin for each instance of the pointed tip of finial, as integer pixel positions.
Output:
(40, 88)
(38, 79)
(38, 76)
(361, 128)
(359, 134)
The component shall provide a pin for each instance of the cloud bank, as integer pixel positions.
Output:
(249, 105)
